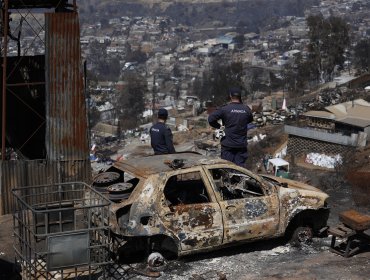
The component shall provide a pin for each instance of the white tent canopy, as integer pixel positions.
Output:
(277, 162)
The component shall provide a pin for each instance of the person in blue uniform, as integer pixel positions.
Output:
(235, 118)
(161, 135)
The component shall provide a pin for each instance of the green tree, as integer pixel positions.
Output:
(241, 27)
(206, 92)
(362, 55)
(176, 70)
(328, 40)
(105, 67)
(197, 88)
(163, 25)
(130, 105)
(253, 83)
(239, 41)
(306, 73)
(297, 75)
(337, 41)
(94, 117)
(219, 80)
(104, 23)
(136, 55)
(146, 37)
(109, 69)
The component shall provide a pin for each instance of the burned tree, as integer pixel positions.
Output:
(130, 103)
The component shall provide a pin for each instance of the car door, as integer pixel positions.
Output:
(250, 209)
(189, 210)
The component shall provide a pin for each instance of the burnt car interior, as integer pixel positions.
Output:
(233, 184)
(186, 188)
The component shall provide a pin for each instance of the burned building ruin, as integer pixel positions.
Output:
(44, 134)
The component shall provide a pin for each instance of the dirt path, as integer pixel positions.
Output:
(6, 248)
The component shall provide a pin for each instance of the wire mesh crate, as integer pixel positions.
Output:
(61, 231)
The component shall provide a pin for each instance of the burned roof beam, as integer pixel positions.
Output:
(58, 5)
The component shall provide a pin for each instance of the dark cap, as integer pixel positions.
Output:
(235, 92)
(162, 113)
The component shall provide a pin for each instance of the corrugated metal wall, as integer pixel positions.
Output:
(19, 173)
(66, 125)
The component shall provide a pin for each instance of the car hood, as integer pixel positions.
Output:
(291, 184)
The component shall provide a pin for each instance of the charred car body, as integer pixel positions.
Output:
(186, 203)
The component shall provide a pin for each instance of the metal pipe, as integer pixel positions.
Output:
(26, 84)
(5, 55)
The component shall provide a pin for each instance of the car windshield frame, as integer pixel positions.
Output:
(267, 186)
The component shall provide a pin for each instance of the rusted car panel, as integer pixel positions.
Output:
(204, 204)
(296, 197)
(196, 220)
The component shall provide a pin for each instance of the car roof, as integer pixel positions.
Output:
(145, 166)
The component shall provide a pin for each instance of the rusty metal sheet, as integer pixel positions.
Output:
(355, 220)
(66, 126)
(18, 173)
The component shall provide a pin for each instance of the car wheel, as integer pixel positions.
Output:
(302, 235)
(156, 262)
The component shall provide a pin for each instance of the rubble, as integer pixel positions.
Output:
(272, 117)
(323, 160)
(329, 97)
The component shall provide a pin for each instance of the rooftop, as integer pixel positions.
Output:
(342, 109)
(320, 114)
(355, 121)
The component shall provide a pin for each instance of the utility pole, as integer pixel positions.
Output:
(154, 92)
(4, 85)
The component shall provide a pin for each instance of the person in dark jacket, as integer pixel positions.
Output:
(235, 118)
(161, 135)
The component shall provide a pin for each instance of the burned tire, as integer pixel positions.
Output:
(106, 178)
(301, 235)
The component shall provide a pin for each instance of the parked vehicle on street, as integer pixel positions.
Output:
(186, 203)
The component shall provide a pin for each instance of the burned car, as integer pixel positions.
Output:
(185, 203)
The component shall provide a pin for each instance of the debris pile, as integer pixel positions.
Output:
(323, 160)
(271, 117)
(329, 97)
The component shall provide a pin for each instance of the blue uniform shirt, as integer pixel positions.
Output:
(161, 139)
(235, 117)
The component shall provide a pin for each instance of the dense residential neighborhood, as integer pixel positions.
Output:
(173, 61)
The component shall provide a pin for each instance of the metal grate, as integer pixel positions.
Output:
(61, 231)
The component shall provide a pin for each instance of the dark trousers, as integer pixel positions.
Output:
(235, 155)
